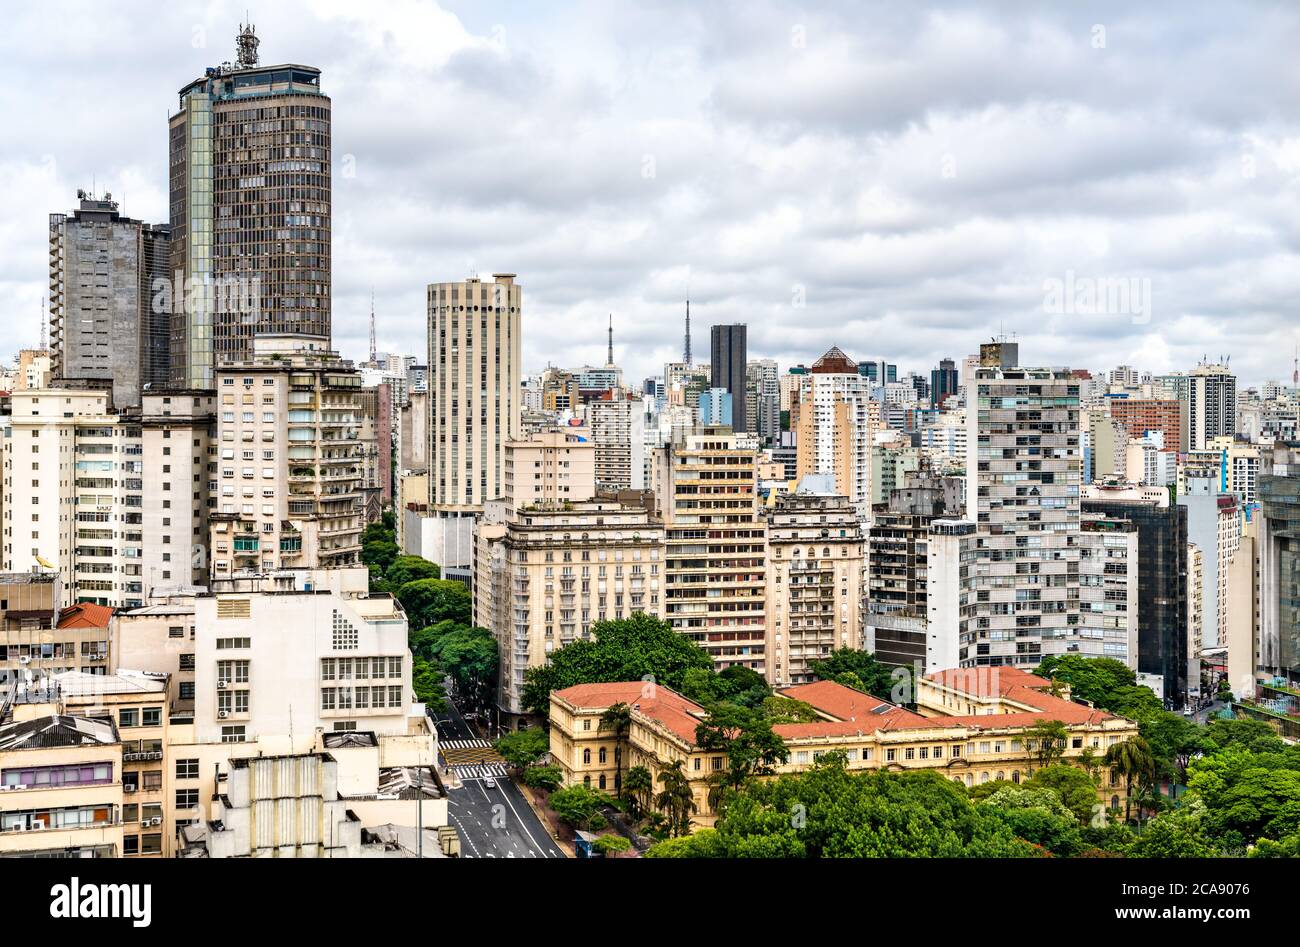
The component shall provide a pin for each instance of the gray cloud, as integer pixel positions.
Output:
(916, 171)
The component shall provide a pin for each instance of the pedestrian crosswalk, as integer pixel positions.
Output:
(480, 770)
(464, 744)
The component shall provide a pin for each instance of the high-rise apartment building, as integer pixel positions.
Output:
(1022, 492)
(116, 502)
(814, 581)
(705, 486)
(763, 400)
(108, 321)
(1141, 415)
(551, 570)
(1279, 561)
(1211, 405)
(1214, 525)
(618, 432)
(728, 366)
(287, 488)
(944, 383)
(251, 214)
(835, 420)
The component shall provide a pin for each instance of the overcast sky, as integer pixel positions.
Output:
(898, 179)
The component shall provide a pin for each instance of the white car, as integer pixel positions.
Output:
(489, 782)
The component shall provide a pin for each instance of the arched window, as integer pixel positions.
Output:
(586, 757)
(602, 757)
(969, 779)
(1015, 777)
(826, 552)
(586, 781)
(984, 777)
(1001, 776)
(1114, 802)
(602, 780)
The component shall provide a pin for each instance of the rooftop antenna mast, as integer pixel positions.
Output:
(246, 44)
(372, 327)
(44, 327)
(1295, 375)
(609, 357)
(686, 357)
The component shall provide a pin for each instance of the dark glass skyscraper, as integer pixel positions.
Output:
(727, 369)
(943, 382)
(1162, 587)
(249, 164)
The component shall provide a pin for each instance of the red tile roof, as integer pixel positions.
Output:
(85, 615)
(679, 715)
(1019, 686)
(847, 705)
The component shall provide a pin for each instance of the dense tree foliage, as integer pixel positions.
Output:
(629, 649)
(1103, 682)
(522, 748)
(579, 806)
(430, 601)
(859, 670)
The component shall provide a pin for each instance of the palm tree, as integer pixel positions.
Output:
(1132, 759)
(617, 719)
(676, 798)
(1048, 740)
(640, 787)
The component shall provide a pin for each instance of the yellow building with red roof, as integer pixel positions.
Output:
(974, 725)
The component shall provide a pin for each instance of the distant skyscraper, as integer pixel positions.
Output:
(728, 366)
(1211, 404)
(250, 211)
(944, 383)
(102, 272)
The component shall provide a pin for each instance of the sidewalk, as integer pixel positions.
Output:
(550, 822)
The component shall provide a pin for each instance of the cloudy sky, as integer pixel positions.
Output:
(898, 179)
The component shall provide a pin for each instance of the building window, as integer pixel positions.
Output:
(187, 769)
(187, 798)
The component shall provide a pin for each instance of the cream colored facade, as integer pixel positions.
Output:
(715, 575)
(287, 488)
(62, 779)
(972, 725)
(117, 503)
(815, 572)
(474, 389)
(159, 638)
(544, 576)
(835, 420)
(551, 467)
(1243, 608)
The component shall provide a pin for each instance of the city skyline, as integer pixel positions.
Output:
(923, 218)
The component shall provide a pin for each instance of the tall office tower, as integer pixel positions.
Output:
(618, 431)
(1211, 404)
(287, 488)
(763, 399)
(474, 404)
(115, 501)
(1162, 570)
(728, 363)
(705, 485)
(1214, 525)
(944, 383)
(250, 211)
(814, 581)
(1279, 561)
(104, 324)
(835, 420)
(1023, 474)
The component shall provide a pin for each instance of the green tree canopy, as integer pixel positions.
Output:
(857, 669)
(429, 601)
(1072, 786)
(404, 569)
(522, 748)
(579, 805)
(1103, 682)
(628, 649)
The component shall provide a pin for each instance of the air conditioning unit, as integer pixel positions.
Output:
(223, 714)
(156, 820)
(221, 685)
(38, 824)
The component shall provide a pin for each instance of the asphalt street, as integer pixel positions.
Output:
(493, 822)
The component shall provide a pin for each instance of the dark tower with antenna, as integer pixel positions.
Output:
(609, 356)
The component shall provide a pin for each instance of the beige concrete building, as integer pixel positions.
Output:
(835, 420)
(816, 559)
(29, 613)
(556, 466)
(551, 570)
(1023, 479)
(62, 779)
(287, 491)
(715, 574)
(116, 502)
(159, 638)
